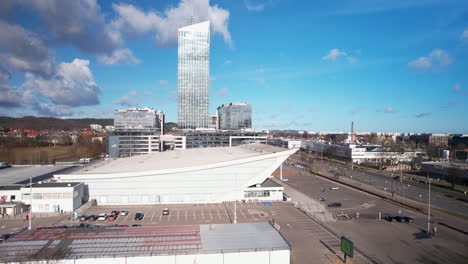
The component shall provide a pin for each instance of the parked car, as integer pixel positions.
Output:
(124, 212)
(5, 237)
(165, 211)
(139, 216)
(112, 217)
(136, 225)
(84, 218)
(115, 212)
(102, 217)
(322, 199)
(123, 225)
(334, 205)
(389, 218)
(92, 217)
(334, 188)
(396, 177)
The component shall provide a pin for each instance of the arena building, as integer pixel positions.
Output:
(205, 175)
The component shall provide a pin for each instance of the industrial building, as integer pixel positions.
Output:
(213, 243)
(235, 116)
(188, 176)
(193, 75)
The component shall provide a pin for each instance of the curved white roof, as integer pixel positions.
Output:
(179, 159)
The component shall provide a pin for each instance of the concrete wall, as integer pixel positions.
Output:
(257, 257)
(67, 198)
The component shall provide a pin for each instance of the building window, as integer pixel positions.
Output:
(13, 197)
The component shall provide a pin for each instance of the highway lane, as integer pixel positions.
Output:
(410, 189)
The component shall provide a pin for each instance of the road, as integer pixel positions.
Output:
(387, 242)
(442, 199)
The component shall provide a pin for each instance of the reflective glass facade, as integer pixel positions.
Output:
(137, 118)
(235, 116)
(193, 75)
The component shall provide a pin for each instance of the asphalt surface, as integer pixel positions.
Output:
(442, 199)
(387, 242)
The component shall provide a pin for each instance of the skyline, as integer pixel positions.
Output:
(396, 67)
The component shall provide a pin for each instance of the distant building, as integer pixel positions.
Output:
(214, 122)
(208, 139)
(439, 140)
(235, 116)
(95, 127)
(137, 131)
(193, 75)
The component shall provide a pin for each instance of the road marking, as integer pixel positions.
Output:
(194, 216)
(177, 215)
(219, 215)
(202, 215)
(152, 216)
(186, 215)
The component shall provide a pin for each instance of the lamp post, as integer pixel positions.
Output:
(30, 203)
(429, 208)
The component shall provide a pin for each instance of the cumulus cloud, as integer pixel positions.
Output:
(464, 35)
(79, 23)
(72, 85)
(334, 54)
(254, 6)
(120, 56)
(388, 110)
(222, 92)
(53, 110)
(131, 99)
(9, 96)
(26, 51)
(423, 114)
(436, 60)
(165, 24)
(163, 83)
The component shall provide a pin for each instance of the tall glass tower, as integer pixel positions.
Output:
(193, 75)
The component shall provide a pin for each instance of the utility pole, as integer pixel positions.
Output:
(30, 203)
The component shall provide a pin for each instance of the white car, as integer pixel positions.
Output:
(102, 217)
(334, 188)
(124, 212)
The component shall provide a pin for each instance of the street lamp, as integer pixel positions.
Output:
(30, 203)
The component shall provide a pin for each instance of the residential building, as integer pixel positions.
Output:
(193, 75)
(235, 116)
(214, 122)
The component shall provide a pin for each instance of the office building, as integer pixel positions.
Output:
(221, 138)
(137, 131)
(193, 75)
(214, 122)
(235, 116)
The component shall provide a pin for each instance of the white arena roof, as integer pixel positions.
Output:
(19, 174)
(179, 159)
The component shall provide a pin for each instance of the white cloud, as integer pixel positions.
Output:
(334, 54)
(120, 56)
(352, 60)
(227, 62)
(436, 60)
(163, 83)
(131, 99)
(254, 7)
(464, 35)
(223, 92)
(72, 85)
(387, 109)
(53, 110)
(165, 24)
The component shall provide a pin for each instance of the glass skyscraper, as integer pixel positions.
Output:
(234, 116)
(193, 75)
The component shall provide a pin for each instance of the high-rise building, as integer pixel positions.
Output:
(138, 118)
(234, 116)
(193, 75)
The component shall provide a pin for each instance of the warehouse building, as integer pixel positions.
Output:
(215, 243)
(187, 176)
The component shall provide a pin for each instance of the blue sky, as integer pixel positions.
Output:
(397, 66)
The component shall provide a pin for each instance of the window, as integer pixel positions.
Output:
(13, 197)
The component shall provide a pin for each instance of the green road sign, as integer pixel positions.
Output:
(347, 246)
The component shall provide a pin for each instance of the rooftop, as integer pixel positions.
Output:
(70, 243)
(55, 184)
(179, 159)
(19, 174)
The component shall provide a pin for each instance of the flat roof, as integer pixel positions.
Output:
(19, 174)
(10, 187)
(55, 184)
(71, 243)
(178, 159)
(268, 183)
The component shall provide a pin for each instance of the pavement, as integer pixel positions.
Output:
(383, 241)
